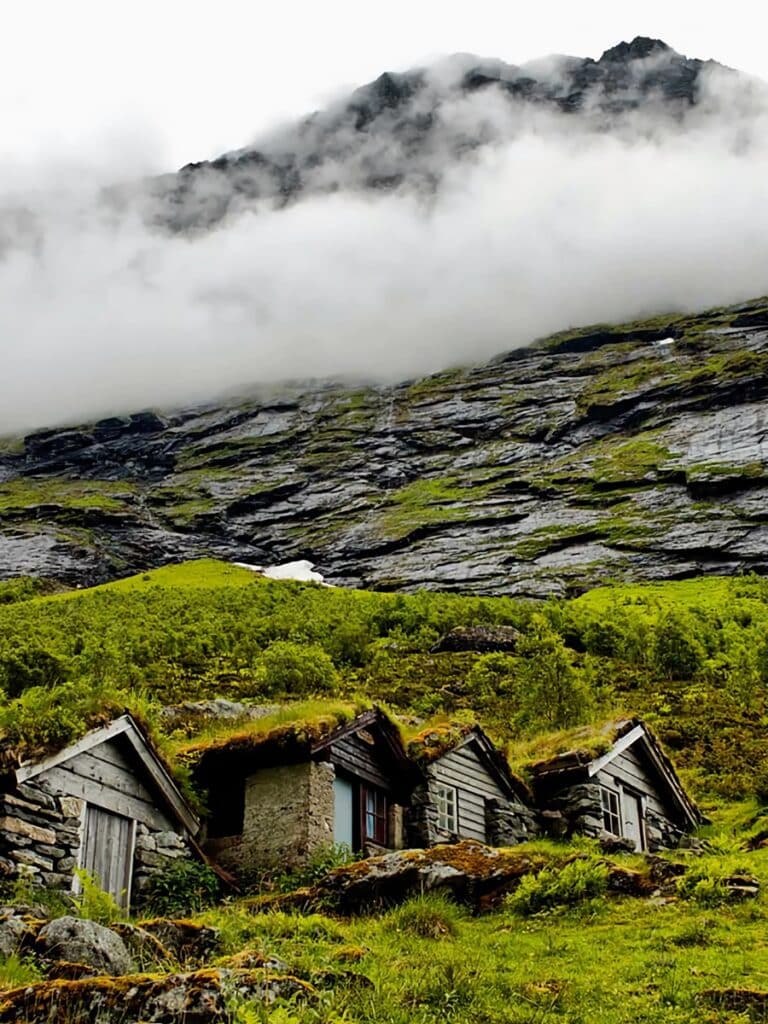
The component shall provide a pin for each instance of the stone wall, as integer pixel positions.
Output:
(507, 823)
(578, 809)
(288, 814)
(39, 835)
(155, 851)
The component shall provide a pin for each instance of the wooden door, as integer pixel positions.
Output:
(107, 851)
(632, 808)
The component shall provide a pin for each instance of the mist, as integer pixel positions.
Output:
(558, 221)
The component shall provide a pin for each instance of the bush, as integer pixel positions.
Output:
(185, 887)
(705, 884)
(321, 861)
(289, 669)
(430, 916)
(575, 883)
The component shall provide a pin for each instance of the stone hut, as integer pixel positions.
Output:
(466, 791)
(106, 803)
(277, 797)
(618, 786)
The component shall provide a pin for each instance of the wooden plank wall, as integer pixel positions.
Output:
(463, 769)
(628, 769)
(354, 755)
(106, 776)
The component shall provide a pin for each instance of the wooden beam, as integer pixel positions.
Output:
(620, 745)
(163, 781)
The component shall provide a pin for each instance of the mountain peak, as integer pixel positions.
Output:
(640, 48)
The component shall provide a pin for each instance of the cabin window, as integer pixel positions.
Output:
(374, 808)
(227, 807)
(611, 814)
(447, 809)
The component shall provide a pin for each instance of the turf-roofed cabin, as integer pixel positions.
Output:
(627, 791)
(105, 803)
(467, 791)
(275, 798)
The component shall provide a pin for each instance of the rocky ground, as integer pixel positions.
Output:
(595, 455)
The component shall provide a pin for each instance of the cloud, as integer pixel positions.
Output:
(555, 222)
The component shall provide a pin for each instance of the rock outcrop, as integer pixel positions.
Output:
(590, 456)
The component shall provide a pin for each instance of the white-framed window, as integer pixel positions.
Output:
(611, 811)
(447, 808)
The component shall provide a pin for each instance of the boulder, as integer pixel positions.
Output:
(484, 639)
(14, 932)
(77, 941)
(473, 874)
(198, 997)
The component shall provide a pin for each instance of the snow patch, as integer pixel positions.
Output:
(301, 571)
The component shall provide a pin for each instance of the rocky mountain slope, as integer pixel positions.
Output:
(406, 130)
(597, 454)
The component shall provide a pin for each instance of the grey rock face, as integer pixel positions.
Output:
(583, 458)
(77, 941)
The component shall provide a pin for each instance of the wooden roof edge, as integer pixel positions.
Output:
(372, 716)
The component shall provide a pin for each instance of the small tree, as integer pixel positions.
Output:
(548, 689)
(677, 653)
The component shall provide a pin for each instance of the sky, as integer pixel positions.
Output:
(557, 224)
(183, 81)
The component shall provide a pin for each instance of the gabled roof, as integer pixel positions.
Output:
(570, 766)
(157, 776)
(253, 748)
(435, 742)
(375, 718)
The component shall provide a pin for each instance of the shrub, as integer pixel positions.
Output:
(575, 883)
(429, 916)
(296, 670)
(705, 884)
(185, 887)
(320, 862)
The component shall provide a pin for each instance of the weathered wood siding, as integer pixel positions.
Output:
(628, 769)
(363, 760)
(474, 784)
(106, 777)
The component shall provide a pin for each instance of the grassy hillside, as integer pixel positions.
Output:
(691, 657)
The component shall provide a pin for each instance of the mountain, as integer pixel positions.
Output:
(630, 452)
(404, 131)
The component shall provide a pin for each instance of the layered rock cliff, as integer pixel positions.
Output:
(598, 454)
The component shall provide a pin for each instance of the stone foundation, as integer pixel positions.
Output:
(508, 824)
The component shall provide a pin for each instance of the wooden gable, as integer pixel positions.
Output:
(369, 748)
(637, 763)
(115, 769)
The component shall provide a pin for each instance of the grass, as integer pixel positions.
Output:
(30, 492)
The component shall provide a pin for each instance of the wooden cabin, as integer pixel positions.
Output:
(106, 803)
(467, 791)
(629, 793)
(277, 798)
